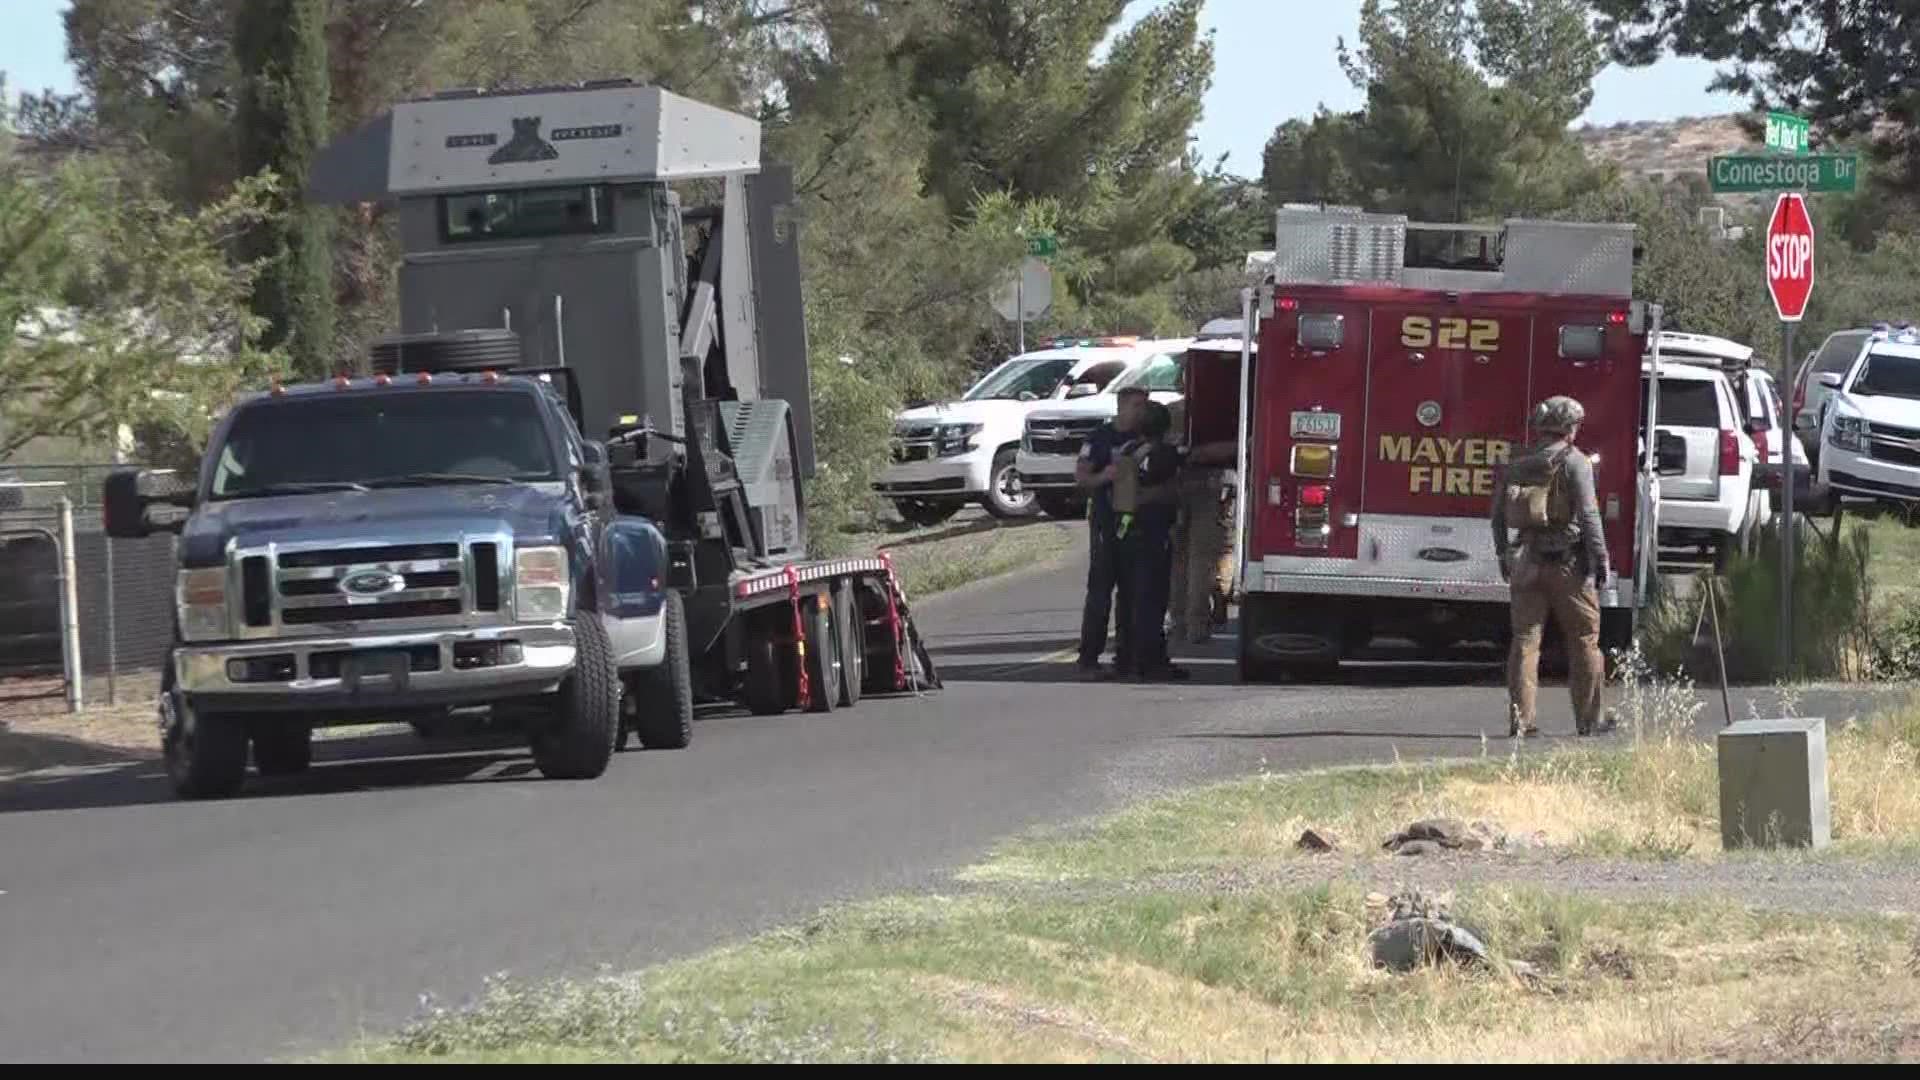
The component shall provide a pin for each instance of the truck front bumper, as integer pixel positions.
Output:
(475, 666)
(967, 475)
(1044, 471)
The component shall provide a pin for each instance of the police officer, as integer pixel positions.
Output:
(1145, 503)
(1560, 563)
(1095, 473)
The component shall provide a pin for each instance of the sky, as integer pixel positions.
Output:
(1273, 60)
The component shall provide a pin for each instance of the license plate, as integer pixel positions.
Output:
(1316, 425)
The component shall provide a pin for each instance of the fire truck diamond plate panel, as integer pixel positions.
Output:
(1334, 247)
(1569, 258)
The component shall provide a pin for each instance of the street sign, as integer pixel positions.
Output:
(1043, 245)
(1028, 294)
(1786, 133)
(1790, 256)
(1814, 172)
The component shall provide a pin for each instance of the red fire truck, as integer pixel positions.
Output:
(1396, 368)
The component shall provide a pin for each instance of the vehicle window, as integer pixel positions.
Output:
(1102, 373)
(370, 438)
(530, 212)
(1688, 403)
(1889, 374)
(1838, 353)
(1038, 377)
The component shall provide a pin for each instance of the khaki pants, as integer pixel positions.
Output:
(1566, 593)
(1202, 557)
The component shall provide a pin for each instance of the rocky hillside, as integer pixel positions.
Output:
(1666, 149)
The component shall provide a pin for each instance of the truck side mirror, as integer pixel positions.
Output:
(1082, 389)
(1831, 379)
(137, 503)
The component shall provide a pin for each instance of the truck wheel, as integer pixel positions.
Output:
(576, 742)
(770, 687)
(665, 705)
(850, 632)
(1005, 498)
(282, 747)
(206, 756)
(923, 513)
(824, 665)
(1060, 505)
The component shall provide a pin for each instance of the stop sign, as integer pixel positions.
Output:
(1790, 256)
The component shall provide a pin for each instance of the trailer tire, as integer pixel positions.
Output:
(769, 690)
(206, 756)
(849, 630)
(282, 747)
(664, 720)
(576, 743)
(824, 665)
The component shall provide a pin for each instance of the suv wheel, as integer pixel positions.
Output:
(1005, 497)
(576, 743)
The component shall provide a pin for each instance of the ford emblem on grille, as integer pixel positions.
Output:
(372, 583)
(1442, 554)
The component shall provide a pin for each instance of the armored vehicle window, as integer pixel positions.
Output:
(528, 212)
(379, 439)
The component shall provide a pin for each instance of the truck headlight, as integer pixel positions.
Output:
(1849, 432)
(540, 584)
(952, 440)
(200, 601)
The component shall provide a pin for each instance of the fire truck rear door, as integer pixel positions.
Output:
(1447, 405)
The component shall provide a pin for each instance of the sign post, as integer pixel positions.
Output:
(1790, 282)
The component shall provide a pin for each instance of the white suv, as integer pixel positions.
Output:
(1713, 503)
(1871, 428)
(1051, 445)
(947, 455)
(1815, 381)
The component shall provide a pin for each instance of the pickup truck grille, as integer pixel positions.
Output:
(1059, 436)
(369, 585)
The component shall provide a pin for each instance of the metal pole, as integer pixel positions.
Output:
(560, 328)
(70, 609)
(1020, 308)
(1719, 649)
(1241, 456)
(113, 644)
(1787, 530)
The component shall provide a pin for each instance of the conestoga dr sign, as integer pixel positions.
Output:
(1815, 172)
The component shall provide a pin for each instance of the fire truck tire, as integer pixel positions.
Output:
(1005, 499)
(770, 688)
(663, 708)
(1067, 507)
(823, 660)
(577, 741)
(924, 513)
(848, 633)
(282, 747)
(206, 756)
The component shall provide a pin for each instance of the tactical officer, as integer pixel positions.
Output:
(1095, 473)
(1546, 496)
(1145, 502)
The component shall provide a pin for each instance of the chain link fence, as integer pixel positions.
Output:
(122, 617)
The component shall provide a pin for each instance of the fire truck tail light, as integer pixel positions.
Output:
(1311, 527)
(1314, 460)
(1287, 303)
(1314, 495)
(1616, 318)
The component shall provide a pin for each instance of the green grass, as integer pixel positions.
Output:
(1165, 976)
(942, 559)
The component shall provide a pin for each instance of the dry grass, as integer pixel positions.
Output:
(937, 560)
(1153, 977)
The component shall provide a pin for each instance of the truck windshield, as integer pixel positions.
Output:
(366, 439)
(1039, 377)
(1889, 375)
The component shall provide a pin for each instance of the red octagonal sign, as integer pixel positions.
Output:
(1790, 256)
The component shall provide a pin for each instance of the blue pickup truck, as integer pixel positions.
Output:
(365, 548)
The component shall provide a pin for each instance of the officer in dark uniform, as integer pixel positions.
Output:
(1095, 472)
(1146, 504)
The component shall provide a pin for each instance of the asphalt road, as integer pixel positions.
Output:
(136, 927)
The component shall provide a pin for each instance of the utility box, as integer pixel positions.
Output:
(1773, 784)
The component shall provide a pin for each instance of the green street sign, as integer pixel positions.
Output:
(1043, 245)
(1786, 133)
(1814, 172)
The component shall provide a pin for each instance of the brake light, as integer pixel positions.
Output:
(1729, 453)
(1314, 494)
(1287, 303)
(1616, 318)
